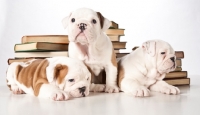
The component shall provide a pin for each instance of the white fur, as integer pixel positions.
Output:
(92, 46)
(76, 70)
(145, 68)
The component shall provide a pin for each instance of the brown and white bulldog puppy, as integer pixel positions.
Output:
(144, 69)
(57, 78)
(89, 43)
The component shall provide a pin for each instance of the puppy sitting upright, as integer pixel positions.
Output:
(145, 69)
(57, 78)
(89, 43)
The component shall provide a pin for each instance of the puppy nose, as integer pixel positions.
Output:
(172, 58)
(82, 89)
(82, 26)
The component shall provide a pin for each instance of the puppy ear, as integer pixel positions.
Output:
(150, 47)
(104, 22)
(65, 21)
(60, 71)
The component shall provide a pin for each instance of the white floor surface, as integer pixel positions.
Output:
(187, 103)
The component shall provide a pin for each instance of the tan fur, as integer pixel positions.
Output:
(101, 19)
(120, 75)
(113, 59)
(33, 76)
(60, 72)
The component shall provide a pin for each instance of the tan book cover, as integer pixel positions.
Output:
(180, 81)
(40, 46)
(176, 74)
(40, 54)
(119, 45)
(115, 32)
(114, 25)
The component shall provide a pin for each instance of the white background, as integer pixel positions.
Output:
(175, 21)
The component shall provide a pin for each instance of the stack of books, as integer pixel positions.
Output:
(43, 46)
(178, 76)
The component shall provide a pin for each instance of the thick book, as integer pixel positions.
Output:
(119, 55)
(179, 54)
(40, 46)
(113, 25)
(11, 60)
(114, 38)
(115, 32)
(180, 81)
(178, 69)
(119, 45)
(62, 39)
(40, 54)
(176, 74)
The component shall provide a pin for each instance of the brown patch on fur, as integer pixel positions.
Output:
(60, 71)
(33, 75)
(113, 59)
(101, 19)
(120, 75)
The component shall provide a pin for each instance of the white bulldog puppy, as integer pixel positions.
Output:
(144, 69)
(89, 43)
(57, 78)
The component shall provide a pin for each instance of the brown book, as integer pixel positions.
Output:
(114, 37)
(178, 62)
(40, 54)
(176, 74)
(40, 46)
(115, 32)
(180, 81)
(62, 39)
(113, 25)
(11, 60)
(119, 45)
(178, 69)
(119, 55)
(179, 54)
(116, 51)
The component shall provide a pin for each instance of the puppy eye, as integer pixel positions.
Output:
(94, 21)
(72, 20)
(162, 52)
(71, 80)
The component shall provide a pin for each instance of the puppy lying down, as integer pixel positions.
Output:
(143, 70)
(57, 78)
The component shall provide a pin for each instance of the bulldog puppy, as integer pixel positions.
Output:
(89, 43)
(144, 69)
(57, 78)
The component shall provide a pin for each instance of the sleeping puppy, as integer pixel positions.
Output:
(57, 78)
(144, 69)
(89, 43)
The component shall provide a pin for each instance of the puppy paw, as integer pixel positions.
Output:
(141, 91)
(59, 96)
(16, 90)
(170, 90)
(112, 89)
(99, 88)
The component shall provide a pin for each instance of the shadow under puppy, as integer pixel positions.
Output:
(57, 78)
(145, 68)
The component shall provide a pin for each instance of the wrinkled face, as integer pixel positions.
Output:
(77, 85)
(85, 25)
(75, 81)
(162, 55)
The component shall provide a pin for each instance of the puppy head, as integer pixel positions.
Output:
(74, 80)
(85, 25)
(161, 54)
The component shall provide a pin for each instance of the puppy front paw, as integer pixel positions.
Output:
(112, 89)
(170, 90)
(141, 91)
(59, 96)
(16, 90)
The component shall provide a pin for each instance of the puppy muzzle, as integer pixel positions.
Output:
(82, 90)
